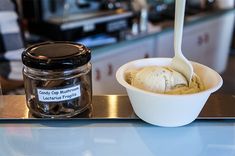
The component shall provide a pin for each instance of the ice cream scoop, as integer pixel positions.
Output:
(160, 79)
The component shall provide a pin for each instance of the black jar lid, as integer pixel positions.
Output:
(56, 55)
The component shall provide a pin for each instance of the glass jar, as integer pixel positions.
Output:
(57, 79)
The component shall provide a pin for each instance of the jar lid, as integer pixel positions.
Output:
(56, 55)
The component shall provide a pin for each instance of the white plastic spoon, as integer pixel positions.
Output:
(179, 62)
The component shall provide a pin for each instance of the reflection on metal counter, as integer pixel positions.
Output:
(72, 20)
(114, 107)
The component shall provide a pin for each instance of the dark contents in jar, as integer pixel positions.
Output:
(62, 108)
(88, 113)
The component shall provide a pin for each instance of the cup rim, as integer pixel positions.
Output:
(121, 80)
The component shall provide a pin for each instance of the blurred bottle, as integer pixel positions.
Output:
(135, 27)
(140, 22)
(143, 20)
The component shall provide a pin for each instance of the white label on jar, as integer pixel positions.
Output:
(57, 95)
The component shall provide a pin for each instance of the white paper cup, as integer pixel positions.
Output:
(169, 110)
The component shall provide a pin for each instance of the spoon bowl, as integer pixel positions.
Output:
(182, 65)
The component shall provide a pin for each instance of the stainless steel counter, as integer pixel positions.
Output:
(107, 107)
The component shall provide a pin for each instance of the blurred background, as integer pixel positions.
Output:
(117, 31)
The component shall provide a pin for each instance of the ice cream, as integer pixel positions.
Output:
(163, 80)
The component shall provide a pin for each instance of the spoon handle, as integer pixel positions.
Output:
(179, 22)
